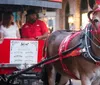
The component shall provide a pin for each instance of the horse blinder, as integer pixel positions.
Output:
(97, 27)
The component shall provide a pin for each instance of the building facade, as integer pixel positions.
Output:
(73, 12)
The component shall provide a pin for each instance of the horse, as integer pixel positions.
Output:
(82, 63)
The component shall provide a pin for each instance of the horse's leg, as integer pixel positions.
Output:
(85, 80)
(63, 80)
(51, 75)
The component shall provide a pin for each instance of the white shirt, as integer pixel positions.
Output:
(10, 32)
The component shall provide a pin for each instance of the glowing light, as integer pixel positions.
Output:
(85, 20)
(70, 19)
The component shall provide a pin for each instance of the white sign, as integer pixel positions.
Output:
(23, 52)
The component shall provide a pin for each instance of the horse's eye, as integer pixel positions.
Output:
(95, 20)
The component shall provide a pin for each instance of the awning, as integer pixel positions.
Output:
(38, 3)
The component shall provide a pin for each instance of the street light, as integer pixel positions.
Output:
(71, 23)
(70, 19)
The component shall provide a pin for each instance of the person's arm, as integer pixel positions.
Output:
(17, 30)
(44, 31)
(1, 36)
(44, 36)
(18, 34)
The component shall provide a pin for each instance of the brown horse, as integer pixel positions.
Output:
(85, 64)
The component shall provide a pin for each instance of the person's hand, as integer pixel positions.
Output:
(38, 38)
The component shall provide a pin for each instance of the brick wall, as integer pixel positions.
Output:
(74, 9)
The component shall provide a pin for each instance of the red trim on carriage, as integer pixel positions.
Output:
(5, 55)
(7, 70)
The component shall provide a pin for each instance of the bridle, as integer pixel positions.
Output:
(94, 21)
(96, 29)
(91, 32)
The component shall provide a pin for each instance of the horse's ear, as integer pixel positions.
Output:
(91, 3)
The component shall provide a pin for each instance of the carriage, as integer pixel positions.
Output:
(12, 55)
(17, 55)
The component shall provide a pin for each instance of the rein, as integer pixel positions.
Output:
(89, 51)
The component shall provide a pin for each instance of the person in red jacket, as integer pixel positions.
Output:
(34, 28)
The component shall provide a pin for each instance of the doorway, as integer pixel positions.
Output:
(67, 12)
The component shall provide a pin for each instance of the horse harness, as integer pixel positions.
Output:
(87, 41)
(85, 49)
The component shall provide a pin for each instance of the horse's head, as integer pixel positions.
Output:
(95, 19)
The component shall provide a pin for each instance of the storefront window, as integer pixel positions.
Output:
(67, 12)
(50, 19)
(85, 20)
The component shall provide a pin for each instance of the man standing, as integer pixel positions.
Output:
(34, 28)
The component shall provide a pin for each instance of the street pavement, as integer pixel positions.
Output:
(75, 82)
